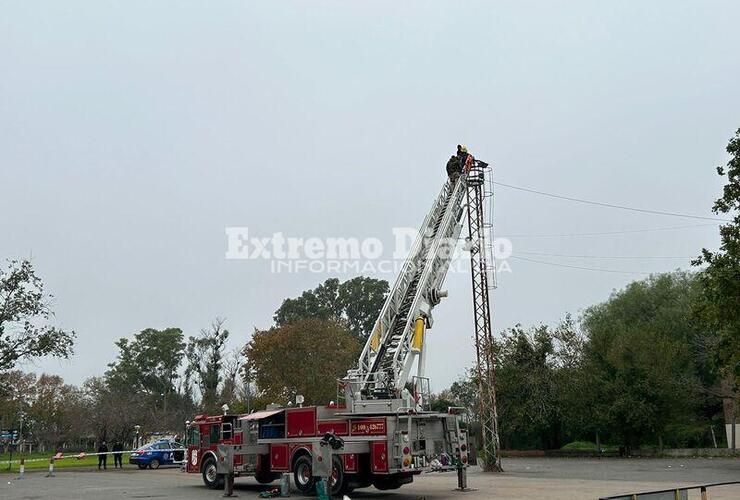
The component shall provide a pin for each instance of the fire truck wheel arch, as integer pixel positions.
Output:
(204, 458)
(297, 452)
(211, 479)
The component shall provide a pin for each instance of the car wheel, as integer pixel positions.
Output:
(303, 474)
(211, 478)
(154, 464)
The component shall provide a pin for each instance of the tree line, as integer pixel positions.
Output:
(640, 369)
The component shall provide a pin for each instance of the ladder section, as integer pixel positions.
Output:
(407, 279)
(387, 356)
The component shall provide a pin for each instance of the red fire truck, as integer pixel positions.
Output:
(385, 451)
(388, 434)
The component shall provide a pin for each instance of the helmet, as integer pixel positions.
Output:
(463, 148)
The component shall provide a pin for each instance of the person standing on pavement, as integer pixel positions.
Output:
(103, 457)
(117, 455)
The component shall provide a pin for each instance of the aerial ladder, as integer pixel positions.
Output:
(382, 381)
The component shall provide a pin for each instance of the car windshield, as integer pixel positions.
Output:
(149, 446)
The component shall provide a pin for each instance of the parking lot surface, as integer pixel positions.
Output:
(537, 478)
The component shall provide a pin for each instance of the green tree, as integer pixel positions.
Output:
(578, 416)
(443, 401)
(149, 362)
(464, 392)
(306, 357)
(719, 304)
(526, 391)
(148, 367)
(356, 302)
(639, 358)
(361, 299)
(24, 310)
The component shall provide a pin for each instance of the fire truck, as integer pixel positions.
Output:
(383, 420)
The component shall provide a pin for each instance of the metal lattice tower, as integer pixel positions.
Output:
(485, 366)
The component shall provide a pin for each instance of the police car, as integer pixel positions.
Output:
(162, 452)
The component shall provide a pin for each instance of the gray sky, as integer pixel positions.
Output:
(133, 133)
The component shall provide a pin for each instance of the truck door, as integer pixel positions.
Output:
(193, 446)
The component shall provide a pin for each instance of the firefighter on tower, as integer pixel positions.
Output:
(459, 163)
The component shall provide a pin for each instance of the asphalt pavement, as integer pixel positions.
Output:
(545, 478)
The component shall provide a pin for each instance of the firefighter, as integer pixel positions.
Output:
(117, 454)
(453, 168)
(465, 158)
(103, 457)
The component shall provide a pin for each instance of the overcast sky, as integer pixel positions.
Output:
(133, 133)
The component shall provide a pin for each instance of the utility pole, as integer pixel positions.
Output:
(484, 347)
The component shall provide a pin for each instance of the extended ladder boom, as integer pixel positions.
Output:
(397, 338)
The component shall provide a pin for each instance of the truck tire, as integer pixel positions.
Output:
(303, 474)
(211, 478)
(339, 483)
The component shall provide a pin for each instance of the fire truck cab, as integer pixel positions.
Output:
(383, 450)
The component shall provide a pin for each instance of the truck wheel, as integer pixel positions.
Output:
(339, 484)
(303, 474)
(154, 464)
(211, 478)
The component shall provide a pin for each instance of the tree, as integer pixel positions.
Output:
(361, 299)
(114, 411)
(578, 416)
(356, 302)
(306, 357)
(719, 305)
(149, 363)
(643, 373)
(526, 389)
(443, 401)
(205, 356)
(231, 388)
(57, 413)
(17, 392)
(24, 310)
(637, 370)
(464, 393)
